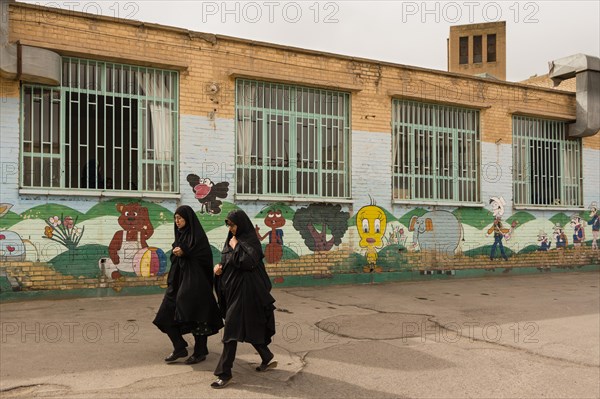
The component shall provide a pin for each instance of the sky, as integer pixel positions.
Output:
(402, 32)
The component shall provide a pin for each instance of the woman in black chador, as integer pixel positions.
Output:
(189, 305)
(243, 288)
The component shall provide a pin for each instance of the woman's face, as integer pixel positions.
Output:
(179, 221)
(232, 227)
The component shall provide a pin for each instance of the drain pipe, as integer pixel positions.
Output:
(25, 63)
(586, 70)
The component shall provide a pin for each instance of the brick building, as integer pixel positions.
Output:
(353, 170)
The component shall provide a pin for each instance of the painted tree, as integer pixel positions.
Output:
(316, 221)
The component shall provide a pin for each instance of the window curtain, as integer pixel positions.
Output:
(160, 137)
(245, 142)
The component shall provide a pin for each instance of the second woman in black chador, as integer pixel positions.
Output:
(243, 288)
(189, 304)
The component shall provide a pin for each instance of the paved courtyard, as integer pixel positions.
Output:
(503, 337)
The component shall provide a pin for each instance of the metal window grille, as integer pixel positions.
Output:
(435, 152)
(292, 140)
(107, 127)
(546, 165)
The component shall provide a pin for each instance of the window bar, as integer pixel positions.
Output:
(436, 171)
(163, 139)
(241, 168)
(26, 134)
(90, 169)
(412, 141)
(77, 144)
(145, 166)
(322, 190)
(167, 157)
(116, 148)
(327, 173)
(43, 142)
(51, 135)
(341, 158)
(263, 148)
(476, 155)
(298, 148)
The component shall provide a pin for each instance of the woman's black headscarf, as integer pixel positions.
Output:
(191, 238)
(245, 234)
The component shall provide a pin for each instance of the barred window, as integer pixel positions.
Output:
(435, 152)
(106, 127)
(292, 140)
(546, 165)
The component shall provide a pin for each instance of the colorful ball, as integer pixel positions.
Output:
(149, 262)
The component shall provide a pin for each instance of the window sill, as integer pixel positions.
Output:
(97, 193)
(549, 208)
(439, 203)
(246, 197)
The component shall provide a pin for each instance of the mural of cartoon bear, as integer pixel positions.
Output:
(125, 244)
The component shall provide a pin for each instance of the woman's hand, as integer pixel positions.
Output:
(177, 251)
(233, 242)
(218, 269)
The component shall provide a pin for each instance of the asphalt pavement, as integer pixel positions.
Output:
(528, 336)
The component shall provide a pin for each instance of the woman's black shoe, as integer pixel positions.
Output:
(220, 383)
(267, 366)
(195, 359)
(176, 355)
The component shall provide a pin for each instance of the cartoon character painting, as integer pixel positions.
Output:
(371, 222)
(497, 229)
(136, 229)
(274, 249)
(578, 231)
(207, 192)
(544, 241)
(560, 237)
(595, 223)
(438, 231)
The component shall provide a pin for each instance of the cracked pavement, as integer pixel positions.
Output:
(503, 337)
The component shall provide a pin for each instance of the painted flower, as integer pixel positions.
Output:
(48, 231)
(54, 221)
(68, 222)
(76, 231)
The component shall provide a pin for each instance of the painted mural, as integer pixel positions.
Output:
(594, 222)
(437, 231)
(12, 246)
(371, 223)
(120, 242)
(207, 193)
(274, 249)
(498, 230)
(128, 251)
(321, 225)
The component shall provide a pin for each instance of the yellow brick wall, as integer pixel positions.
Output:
(210, 59)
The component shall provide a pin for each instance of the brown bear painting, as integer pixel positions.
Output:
(127, 242)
